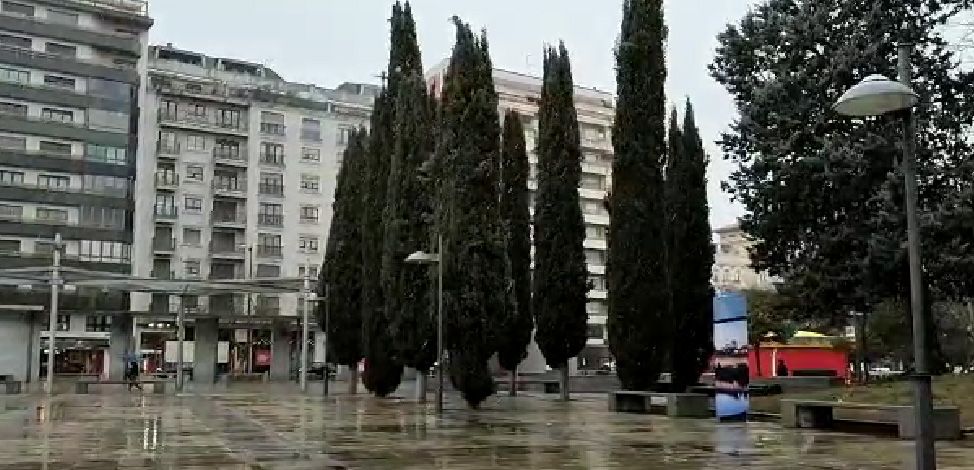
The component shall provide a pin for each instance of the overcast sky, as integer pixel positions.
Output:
(327, 42)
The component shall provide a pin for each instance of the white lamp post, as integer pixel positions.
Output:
(874, 96)
(420, 257)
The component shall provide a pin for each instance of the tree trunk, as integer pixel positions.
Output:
(513, 382)
(563, 383)
(353, 379)
(421, 386)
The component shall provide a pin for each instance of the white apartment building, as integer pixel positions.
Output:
(596, 111)
(732, 263)
(236, 178)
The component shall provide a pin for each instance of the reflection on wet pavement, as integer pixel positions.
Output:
(278, 428)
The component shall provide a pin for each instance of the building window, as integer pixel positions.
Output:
(8, 177)
(18, 9)
(15, 41)
(270, 214)
(308, 244)
(193, 204)
(198, 112)
(310, 154)
(227, 149)
(596, 331)
(102, 153)
(229, 118)
(191, 268)
(13, 143)
(105, 217)
(8, 212)
(58, 148)
(271, 153)
(168, 110)
(191, 236)
(271, 183)
(343, 134)
(309, 214)
(310, 129)
(14, 75)
(103, 184)
(268, 270)
(593, 207)
(98, 323)
(596, 231)
(312, 272)
(62, 17)
(195, 142)
(194, 173)
(63, 323)
(52, 215)
(9, 246)
(62, 50)
(592, 181)
(57, 115)
(269, 244)
(165, 204)
(55, 81)
(13, 109)
(311, 184)
(54, 182)
(598, 282)
(272, 123)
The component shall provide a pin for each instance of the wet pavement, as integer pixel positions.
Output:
(262, 429)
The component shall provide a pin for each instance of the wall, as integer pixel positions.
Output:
(15, 336)
(799, 358)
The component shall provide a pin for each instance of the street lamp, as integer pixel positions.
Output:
(874, 96)
(421, 257)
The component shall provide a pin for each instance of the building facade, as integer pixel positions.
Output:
(70, 81)
(596, 111)
(236, 178)
(732, 263)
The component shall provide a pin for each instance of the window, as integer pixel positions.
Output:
(268, 270)
(595, 257)
(268, 244)
(58, 115)
(193, 204)
(596, 331)
(312, 272)
(18, 8)
(191, 236)
(55, 147)
(63, 323)
(105, 184)
(13, 108)
(229, 181)
(109, 89)
(309, 214)
(191, 268)
(62, 50)
(11, 177)
(272, 123)
(11, 212)
(106, 217)
(13, 75)
(52, 215)
(593, 207)
(13, 143)
(270, 214)
(229, 118)
(310, 154)
(54, 182)
(310, 129)
(103, 153)
(271, 183)
(194, 173)
(598, 282)
(597, 308)
(228, 149)
(308, 244)
(195, 142)
(9, 246)
(98, 323)
(596, 231)
(168, 142)
(14, 41)
(271, 153)
(165, 204)
(59, 82)
(343, 135)
(108, 120)
(592, 181)
(168, 109)
(310, 183)
(62, 17)
(198, 111)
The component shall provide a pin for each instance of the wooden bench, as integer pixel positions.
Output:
(84, 386)
(681, 405)
(797, 413)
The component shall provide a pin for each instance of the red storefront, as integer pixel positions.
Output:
(796, 357)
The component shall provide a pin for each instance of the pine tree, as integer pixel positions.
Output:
(690, 252)
(636, 267)
(341, 270)
(468, 155)
(560, 275)
(514, 333)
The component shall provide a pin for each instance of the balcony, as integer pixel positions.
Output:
(191, 121)
(169, 150)
(163, 244)
(223, 156)
(111, 192)
(267, 128)
(227, 250)
(164, 274)
(230, 187)
(229, 217)
(223, 272)
(276, 190)
(276, 161)
(168, 181)
(270, 220)
(166, 213)
(269, 251)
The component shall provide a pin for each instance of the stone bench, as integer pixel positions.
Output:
(84, 386)
(12, 387)
(681, 405)
(251, 377)
(797, 413)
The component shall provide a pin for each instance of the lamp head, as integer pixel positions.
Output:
(876, 95)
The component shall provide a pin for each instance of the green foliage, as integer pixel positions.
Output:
(341, 270)
(468, 154)
(560, 281)
(690, 252)
(514, 332)
(636, 268)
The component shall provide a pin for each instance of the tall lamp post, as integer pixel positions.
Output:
(421, 257)
(56, 282)
(877, 95)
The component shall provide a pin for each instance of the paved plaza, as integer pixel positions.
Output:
(278, 428)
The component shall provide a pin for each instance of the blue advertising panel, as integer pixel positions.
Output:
(731, 375)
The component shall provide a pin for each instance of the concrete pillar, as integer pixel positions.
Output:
(281, 350)
(205, 351)
(37, 324)
(119, 344)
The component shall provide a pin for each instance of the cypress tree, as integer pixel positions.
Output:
(514, 332)
(473, 245)
(690, 252)
(560, 275)
(341, 270)
(636, 268)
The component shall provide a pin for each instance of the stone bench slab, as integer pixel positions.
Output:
(680, 405)
(820, 414)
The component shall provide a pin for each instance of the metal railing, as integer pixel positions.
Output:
(230, 185)
(272, 160)
(271, 189)
(167, 179)
(48, 55)
(229, 217)
(168, 148)
(273, 129)
(201, 120)
(226, 248)
(166, 212)
(270, 220)
(227, 155)
(117, 192)
(269, 251)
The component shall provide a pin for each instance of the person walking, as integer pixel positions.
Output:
(132, 371)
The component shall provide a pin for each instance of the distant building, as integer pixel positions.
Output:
(732, 267)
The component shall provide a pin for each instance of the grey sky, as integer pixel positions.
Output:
(330, 41)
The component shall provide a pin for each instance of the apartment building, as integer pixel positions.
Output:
(732, 263)
(69, 104)
(236, 176)
(596, 111)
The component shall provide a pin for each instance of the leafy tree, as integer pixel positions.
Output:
(691, 252)
(636, 268)
(560, 279)
(468, 155)
(823, 192)
(341, 270)
(514, 332)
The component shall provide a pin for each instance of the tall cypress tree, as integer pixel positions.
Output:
(341, 270)
(514, 332)
(690, 252)
(468, 156)
(636, 268)
(560, 275)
